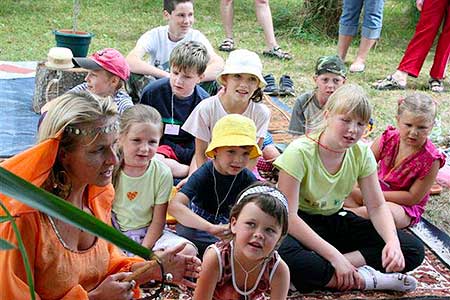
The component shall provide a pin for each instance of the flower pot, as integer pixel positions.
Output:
(77, 41)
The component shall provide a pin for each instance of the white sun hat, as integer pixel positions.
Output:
(243, 61)
(59, 58)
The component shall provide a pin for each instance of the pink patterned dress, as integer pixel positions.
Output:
(227, 289)
(402, 177)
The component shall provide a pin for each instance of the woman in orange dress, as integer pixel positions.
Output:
(74, 160)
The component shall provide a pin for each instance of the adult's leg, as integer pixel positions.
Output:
(348, 25)
(370, 32)
(441, 56)
(426, 30)
(264, 17)
(227, 14)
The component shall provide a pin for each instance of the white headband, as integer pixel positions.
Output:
(264, 189)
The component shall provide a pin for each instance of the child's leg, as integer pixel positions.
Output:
(170, 239)
(348, 25)
(401, 219)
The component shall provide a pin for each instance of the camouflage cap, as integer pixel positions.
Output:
(331, 64)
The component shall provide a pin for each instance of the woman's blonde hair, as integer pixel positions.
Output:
(347, 99)
(74, 108)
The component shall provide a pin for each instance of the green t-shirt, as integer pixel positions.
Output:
(136, 196)
(321, 192)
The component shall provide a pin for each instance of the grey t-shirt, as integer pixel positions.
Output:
(306, 109)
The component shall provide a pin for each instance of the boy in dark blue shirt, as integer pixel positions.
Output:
(175, 98)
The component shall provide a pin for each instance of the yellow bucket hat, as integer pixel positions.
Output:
(234, 130)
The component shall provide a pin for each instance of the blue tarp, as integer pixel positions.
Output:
(18, 121)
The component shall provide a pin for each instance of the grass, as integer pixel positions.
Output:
(26, 34)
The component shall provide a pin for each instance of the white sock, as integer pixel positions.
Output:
(375, 280)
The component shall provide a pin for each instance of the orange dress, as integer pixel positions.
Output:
(58, 272)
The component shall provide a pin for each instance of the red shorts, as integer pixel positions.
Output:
(167, 151)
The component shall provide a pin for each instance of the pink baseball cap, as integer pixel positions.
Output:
(108, 59)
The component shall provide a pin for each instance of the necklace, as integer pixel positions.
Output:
(322, 145)
(219, 203)
(245, 293)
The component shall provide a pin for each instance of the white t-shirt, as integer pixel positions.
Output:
(203, 118)
(157, 44)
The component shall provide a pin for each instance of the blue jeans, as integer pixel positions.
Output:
(372, 20)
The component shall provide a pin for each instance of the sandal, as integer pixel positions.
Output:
(227, 45)
(388, 84)
(436, 85)
(277, 53)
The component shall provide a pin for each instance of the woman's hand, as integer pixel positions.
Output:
(419, 4)
(113, 288)
(180, 265)
(392, 257)
(345, 274)
(220, 231)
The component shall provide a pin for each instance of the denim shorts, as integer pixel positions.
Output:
(372, 19)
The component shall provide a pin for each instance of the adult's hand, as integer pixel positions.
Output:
(419, 4)
(180, 266)
(113, 288)
(392, 257)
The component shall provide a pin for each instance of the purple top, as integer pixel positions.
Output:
(402, 177)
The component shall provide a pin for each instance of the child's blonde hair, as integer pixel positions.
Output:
(419, 104)
(347, 99)
(138, 113)
(190, 55)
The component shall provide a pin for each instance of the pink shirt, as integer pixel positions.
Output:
(402, 177)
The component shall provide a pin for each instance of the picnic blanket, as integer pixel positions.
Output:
(18, 122)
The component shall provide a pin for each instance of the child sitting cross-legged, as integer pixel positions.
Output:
(143, 184)
(408, 162)
(203, 204)
(175, 98)
(247, 266)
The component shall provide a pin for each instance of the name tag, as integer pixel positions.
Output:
(172, 129)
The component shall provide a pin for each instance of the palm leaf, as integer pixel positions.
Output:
(25, 192)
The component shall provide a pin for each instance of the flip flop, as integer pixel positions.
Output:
(388, 84)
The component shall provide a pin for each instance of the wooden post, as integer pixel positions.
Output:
(51, 83)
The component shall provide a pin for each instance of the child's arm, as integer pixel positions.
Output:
(252, 163)
(157, 225)
(200, 148)
(209, 276)
(137, 64)
(214, 66)
(178, 208)
(381, 217)
(279, 287)
(375, 147)
(301, 231)
(417, 191)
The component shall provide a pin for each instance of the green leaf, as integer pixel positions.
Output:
(5, 245)
(25, 192)
(4, 219)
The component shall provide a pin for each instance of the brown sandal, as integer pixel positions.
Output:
(227, 45)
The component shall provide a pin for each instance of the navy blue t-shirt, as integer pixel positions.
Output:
(200, 189)
(158, 94)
